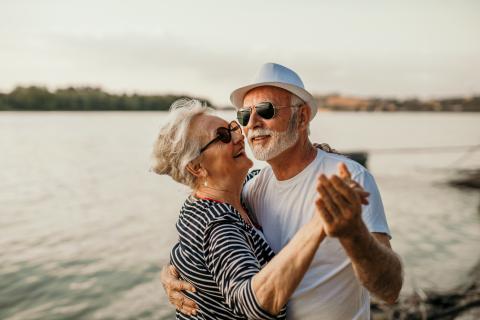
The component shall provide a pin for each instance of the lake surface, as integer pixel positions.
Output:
(85, 227)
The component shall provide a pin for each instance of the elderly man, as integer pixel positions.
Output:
(356, 258)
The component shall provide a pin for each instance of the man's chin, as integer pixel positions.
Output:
(262, 154)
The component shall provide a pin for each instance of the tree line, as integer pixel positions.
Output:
(82, 98)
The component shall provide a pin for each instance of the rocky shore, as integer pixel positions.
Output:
(461, 303)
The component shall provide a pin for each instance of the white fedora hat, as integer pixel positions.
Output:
(275, 75)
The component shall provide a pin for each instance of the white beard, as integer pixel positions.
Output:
(279, 141)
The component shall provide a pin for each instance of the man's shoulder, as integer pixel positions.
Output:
(330, 162)
(255, 181)
(258, 175)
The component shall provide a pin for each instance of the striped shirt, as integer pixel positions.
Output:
(219, 254)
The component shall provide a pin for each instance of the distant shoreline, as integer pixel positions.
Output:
(37, 98)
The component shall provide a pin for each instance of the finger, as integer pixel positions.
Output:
(180, 285)
(188, 311)
(177, 284)
(364, 201)
(331, 190)
(185, 302)
(339, 194)
(167, 278)
(328, 201)
(343, 171)
(360, 191)
(179, 300)
(348, 193)
(363, 196)
(173, 271)
(357, 190)
(322, 210)
(358, 187)
(164, 276)
(355, 185)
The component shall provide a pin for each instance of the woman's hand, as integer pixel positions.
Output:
(347, 178)
(340, 203)
(325, 147)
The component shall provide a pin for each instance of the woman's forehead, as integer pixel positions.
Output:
(208, 124)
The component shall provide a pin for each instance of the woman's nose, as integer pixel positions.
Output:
(237, 136)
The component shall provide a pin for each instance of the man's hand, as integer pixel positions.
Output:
(340, 203)
(173, 288)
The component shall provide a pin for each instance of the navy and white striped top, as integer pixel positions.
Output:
(219, 254)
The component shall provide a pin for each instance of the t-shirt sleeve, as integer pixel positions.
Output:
(373, 214)
(232, 264)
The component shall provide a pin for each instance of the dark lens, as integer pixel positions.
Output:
(243, 116)
(223, 135)
(265, 110)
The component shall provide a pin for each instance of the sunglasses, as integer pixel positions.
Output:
(224, 134)
(266, 110)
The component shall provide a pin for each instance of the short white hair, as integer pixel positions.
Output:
(296, 101)
(174, 147)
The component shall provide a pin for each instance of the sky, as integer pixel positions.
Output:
(207, 48)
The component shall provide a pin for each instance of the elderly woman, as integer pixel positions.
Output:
(221, 250)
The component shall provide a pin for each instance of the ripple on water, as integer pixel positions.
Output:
(85, 228)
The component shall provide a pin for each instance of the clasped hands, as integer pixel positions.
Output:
(340, 203)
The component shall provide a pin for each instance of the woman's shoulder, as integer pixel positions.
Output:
(208, 210)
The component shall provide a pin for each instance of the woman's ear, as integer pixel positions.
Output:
(196, 169)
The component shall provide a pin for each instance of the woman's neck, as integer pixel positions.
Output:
(229, 195)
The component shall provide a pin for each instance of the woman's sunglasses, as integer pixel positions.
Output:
(266, 110)
(224, 134)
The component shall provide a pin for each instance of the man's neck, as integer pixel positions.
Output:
(293, 160)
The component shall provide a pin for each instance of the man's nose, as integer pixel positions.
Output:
(254, 119)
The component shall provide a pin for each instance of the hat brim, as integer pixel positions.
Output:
(237, 96)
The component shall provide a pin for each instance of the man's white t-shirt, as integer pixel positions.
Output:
(329, 289)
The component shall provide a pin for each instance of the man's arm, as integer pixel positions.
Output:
(173, 288)
(376, 266)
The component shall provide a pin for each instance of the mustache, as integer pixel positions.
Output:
(259, 132)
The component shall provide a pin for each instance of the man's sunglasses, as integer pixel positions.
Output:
(224, 134)
(266, 110)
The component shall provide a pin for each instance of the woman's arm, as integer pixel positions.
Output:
(275, 283)
(248, 290)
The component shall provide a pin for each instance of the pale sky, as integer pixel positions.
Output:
(208, 48)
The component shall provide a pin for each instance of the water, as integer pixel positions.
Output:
(85, 228)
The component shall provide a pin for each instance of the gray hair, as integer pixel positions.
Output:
(174, 147)
(296, 101)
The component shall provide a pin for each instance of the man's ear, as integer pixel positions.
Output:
(304, 116)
